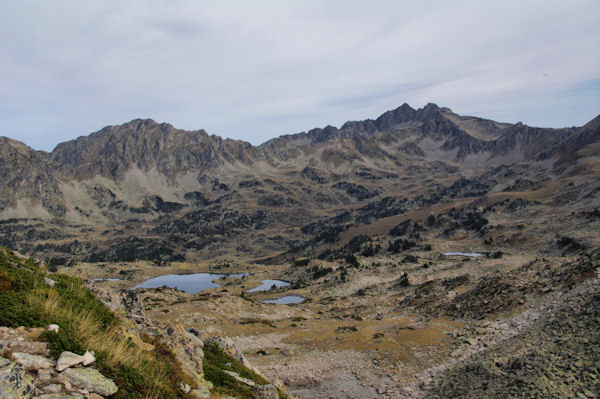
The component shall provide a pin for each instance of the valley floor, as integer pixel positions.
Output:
(460, 327)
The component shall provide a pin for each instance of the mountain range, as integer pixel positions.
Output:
(147, 190)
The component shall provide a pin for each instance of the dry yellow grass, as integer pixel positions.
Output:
(89, 330)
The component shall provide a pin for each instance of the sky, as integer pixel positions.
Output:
(256, 70)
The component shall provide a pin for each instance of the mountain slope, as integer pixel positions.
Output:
(29, 180)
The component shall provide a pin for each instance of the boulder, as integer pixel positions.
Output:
(90, 380)
(67, 359)
(70, 359)
(53, 327)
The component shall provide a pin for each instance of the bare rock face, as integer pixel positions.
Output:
(188, 350)
(20, 167)
(145, 144)
(133, 307)
(124, 301)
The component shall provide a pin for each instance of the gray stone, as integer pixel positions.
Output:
(44, 374)
(91, 380)
(31, 362)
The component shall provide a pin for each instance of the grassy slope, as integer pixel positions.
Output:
(86, 324)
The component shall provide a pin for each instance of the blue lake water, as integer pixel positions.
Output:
(285, 300)
(190, 283)
(268, 284)
(473, 254)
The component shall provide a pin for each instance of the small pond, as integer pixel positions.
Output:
(104, 279)
(473, 254)
(285, 300)
(268, 284)
(190, 283)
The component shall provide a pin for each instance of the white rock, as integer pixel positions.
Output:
(185, 387)
(53, 327)
(49, 281)
(88, 358)
(68, 359)
(243, 380)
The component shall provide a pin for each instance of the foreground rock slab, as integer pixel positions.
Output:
(14, 382)
(90, 380)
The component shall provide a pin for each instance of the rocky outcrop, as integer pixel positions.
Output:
(125, 302)
(31, 373)
(187, 347)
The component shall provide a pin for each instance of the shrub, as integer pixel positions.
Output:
(320, 272)
(403, 281)
(302, 262)
(352, 261)
(410, 259)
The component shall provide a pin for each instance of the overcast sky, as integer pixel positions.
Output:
(256, 70)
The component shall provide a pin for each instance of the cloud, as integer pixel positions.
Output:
(254, 70)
